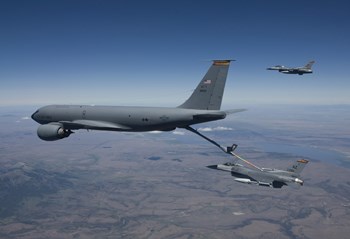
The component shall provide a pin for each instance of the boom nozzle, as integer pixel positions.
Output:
(232, 148)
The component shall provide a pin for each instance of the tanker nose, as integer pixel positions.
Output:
(34, 115)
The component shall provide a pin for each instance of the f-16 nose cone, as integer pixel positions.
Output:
(212, 166)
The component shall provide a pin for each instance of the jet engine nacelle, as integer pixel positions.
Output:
(51, 132)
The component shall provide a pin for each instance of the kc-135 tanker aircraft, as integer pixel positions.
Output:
(59, 121)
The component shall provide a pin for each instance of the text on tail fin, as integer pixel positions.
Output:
(298, 166)
(209, 92)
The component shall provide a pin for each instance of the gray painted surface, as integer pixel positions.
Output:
(203, 105)
(275, 178)
(298, 70)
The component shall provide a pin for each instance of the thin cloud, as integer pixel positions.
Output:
(179, 132)
(21, 119)
(219, 128)
(160, 132)
(155, 132)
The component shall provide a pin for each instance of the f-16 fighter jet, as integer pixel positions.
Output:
(267, 177)
(298, 70)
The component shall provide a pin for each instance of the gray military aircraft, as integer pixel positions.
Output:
(59, 121)
(298, 70)
(275, 178)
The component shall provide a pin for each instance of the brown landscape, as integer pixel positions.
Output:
(156, 185)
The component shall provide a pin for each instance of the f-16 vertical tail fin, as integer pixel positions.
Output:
(209, 92)
(298, 166)
(309, 65)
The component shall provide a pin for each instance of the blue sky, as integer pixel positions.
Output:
(155, 52)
